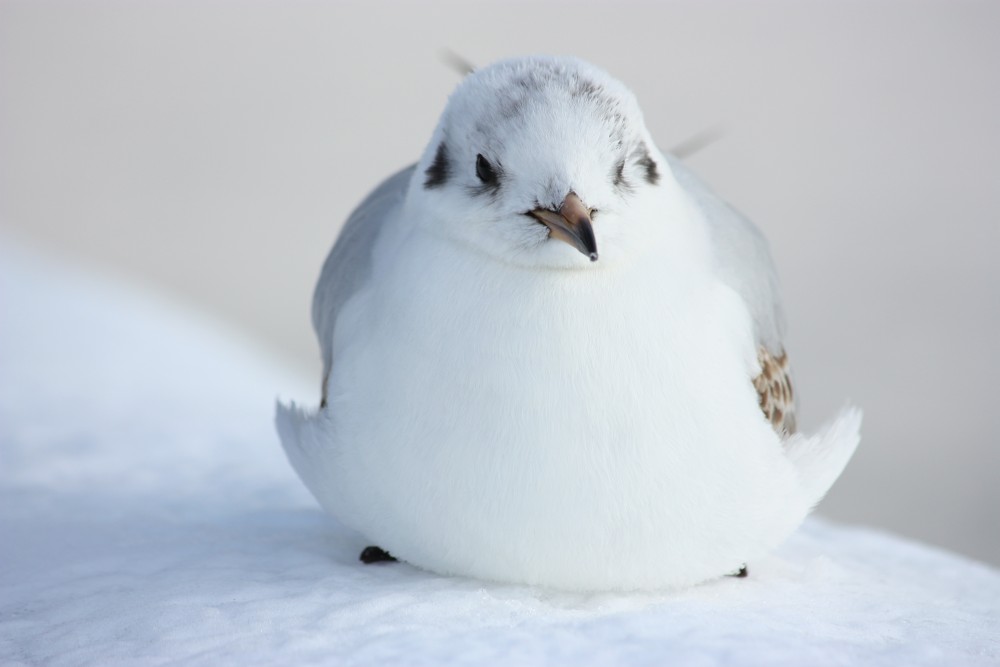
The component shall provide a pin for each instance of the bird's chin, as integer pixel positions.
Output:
(548, 255)
(556, 254)
(533, 253)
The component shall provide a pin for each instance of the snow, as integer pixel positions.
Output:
(147, 516)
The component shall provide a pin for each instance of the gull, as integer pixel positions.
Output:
(553, 356)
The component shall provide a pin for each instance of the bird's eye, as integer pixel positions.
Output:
(485, 171)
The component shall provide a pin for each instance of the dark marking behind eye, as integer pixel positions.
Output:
(618, 176)
(437, 173)
(646, 162)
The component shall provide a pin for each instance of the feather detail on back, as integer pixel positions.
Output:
(774, 387)
(348, 265)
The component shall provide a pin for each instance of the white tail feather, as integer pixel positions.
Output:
(820, 458)
(305, 436)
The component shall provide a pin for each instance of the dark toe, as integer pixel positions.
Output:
(373, 554)
(742, 573)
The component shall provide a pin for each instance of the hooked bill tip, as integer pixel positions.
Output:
(593, 257)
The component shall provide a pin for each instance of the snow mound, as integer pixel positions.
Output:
(147, 515)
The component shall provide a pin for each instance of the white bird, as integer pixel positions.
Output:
(551, 355)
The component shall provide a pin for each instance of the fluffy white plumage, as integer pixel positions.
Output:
(500, 406)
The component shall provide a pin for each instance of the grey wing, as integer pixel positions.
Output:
(348, 266)
(744, 262)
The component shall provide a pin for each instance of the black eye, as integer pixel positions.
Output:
(485, 171)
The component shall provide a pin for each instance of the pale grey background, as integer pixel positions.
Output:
(213, 149)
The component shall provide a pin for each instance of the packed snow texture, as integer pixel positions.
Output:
(147, 515)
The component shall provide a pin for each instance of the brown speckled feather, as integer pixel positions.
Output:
(774, 387)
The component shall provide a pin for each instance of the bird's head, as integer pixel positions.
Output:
(540, 162)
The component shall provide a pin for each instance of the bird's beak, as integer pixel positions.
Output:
(571, 223)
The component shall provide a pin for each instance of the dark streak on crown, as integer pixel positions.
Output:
(437, 173)
(589, 89)
(596, 95)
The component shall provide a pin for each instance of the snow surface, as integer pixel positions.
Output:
(147, 516)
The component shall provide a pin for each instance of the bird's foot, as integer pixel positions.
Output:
(741, 574)
(374, 554)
